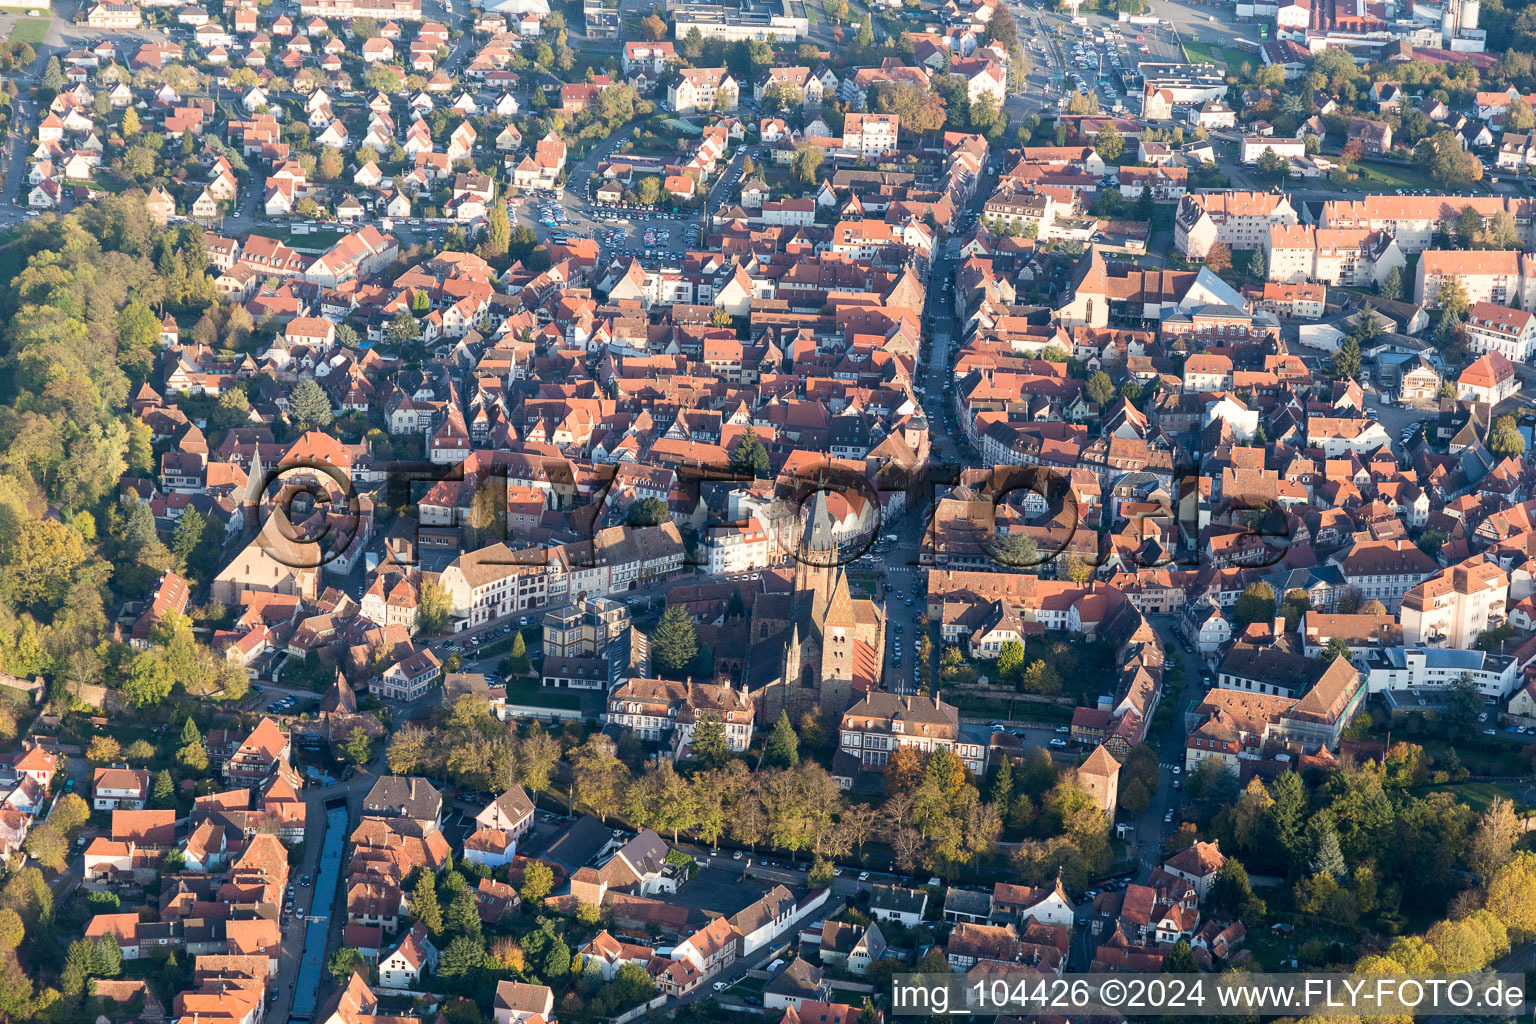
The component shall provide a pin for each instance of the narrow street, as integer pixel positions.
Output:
(319, 916)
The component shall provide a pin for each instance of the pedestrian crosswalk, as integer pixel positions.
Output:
(1169, 765)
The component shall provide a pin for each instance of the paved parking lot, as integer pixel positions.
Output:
(721, 889)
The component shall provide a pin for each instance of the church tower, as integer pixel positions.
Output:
(816, 560)
(817, 645)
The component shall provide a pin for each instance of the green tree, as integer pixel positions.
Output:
(1505, 439)
(12, 929)
(163, 790)
(648, 512)
(1467, 226)
(518, 655)
(650, 190)
(986, 117)
(77, 967)
(47, 846)
(343, 962)
(107, 957)
(1452, 297)
(150, 681)
(1002, 782)
(1180, 960)
(1392, 284)
(1258, 265)
(1256, 604)
(329, 167)
(1447, 162)
(433, 607)
(1518, 116)
(1041, 678)
(188, 535)
(424, 905)
(462, 917)
(358, 747)
(43, 558)
(1016, 551)
(1078, 570)
(675, 643)
(498, 232)
(538, 880)
(1108, 143)
(53, 76)
(233, 409)
(69, 814)
(782, 748)
(1272, 168)
(1099, 387)
(464, 955)
(103, 750)
(310, 406)
(537, 754)
(708, 743)
(1327, 858)
(1346, 361)
(557, 959)
(806, 163)
(1010, 659)
(750, 455)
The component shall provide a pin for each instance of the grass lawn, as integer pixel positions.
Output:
(1476, 795)
(1273, 951)
(526, 691)
(1009, 708)
(318, 240)
(31, 30)
(1392, 177)
(1211, 53)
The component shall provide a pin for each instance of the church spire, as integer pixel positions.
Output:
(816, 560)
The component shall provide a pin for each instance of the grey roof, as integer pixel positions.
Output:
(838, 937)
(514, 804)
(896, 900)
(798, 979)
(646, 853)
(396, 796)
(966, 901)
(579, 844)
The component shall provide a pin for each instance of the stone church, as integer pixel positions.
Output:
(817, 645)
